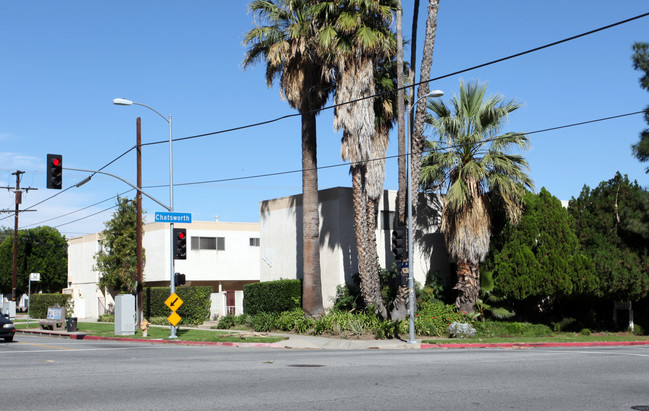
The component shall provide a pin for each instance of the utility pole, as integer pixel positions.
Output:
(140, 264)
(18, 192)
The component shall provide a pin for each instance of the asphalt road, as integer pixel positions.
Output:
(41, 373)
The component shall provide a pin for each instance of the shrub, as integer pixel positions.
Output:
(638, 330)
(40, 302)
(294, 320)
(106, 318)
(195, 308)
(585, 331)
(434, 317)
(272, 296)
(263, 322)
(226, 322)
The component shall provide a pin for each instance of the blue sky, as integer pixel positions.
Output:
(62, 64)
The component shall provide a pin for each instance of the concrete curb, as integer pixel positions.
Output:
(535, 345)
(320, 343)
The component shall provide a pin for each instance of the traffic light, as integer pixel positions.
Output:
(180, 244)
(54, 171)
(179, 279)
(398, 243)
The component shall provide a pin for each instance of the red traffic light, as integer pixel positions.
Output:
(181, 235)
(54, 171)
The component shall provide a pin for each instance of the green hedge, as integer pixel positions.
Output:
(195, 308)
(272, 296)
(40, 302)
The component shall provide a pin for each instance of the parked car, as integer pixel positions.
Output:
(7, 329)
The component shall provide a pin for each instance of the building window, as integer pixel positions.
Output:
(220, 243)
(254, 242)
(387, 218)
(204, 243)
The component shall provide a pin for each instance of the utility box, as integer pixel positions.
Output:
(125, 314)
(9, 308)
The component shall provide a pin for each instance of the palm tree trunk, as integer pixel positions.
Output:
(420, 112)
(401, 125)
(468, 286)
(311, 281)
(367, 255)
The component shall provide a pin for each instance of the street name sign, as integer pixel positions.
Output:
(169, 217)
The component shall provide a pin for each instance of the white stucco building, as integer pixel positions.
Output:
(281, 239)
(222, 255)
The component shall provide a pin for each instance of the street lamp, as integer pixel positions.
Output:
(124, 102)
(411, 273)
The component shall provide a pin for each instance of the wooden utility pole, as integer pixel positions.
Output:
(18, 192)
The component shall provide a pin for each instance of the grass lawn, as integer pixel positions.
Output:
(162, 333)
(557, 338)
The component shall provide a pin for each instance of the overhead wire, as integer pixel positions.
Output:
(251, 125)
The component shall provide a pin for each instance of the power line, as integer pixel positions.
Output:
(321, 167)
(555, 43)
(489, 63)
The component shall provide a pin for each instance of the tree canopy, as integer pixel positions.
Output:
(612, 224)
(40, 250)
(117, 261)
(640, 60)
(540, 257)
(469, 160)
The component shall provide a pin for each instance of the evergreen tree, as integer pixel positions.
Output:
(117, 261)
(40, 250)
(611, 222)
(540, 256)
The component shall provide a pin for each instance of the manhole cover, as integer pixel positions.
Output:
(640, 407)
(305, 365)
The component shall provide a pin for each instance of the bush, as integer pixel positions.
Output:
(106, 318)
(226, 322)
(434, 317)
(585, 331)
(195, 308)
(638, 330)
(294, 321)
(40, 302)
(272, 296)
(263, 322)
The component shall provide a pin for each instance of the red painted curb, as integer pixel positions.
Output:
(533, 345)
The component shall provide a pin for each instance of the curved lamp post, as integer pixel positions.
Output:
(124, 102)
(411, 273)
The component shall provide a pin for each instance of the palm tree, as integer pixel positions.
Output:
(469, 160)
(286, 43)
(357, 34)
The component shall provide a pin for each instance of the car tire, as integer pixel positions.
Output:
(9, 339)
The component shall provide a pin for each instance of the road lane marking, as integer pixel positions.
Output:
(47, 346)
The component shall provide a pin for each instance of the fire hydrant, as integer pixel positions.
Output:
(145, 327)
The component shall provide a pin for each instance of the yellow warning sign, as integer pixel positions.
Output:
(173, 302)
(174, 319)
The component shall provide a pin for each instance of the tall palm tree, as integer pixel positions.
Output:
(285, 41)
(467, 161)
(357, 34)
